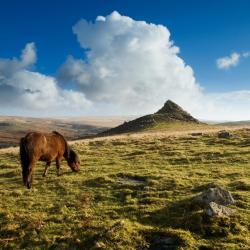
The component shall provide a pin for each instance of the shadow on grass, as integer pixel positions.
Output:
(186, 216)
(9, 175)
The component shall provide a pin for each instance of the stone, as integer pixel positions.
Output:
(214, 193)
(224, 134)
(215, 210)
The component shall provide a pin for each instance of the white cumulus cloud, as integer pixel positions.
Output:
(129, 64)
(228, 61)
(23, 90)
(133, 67)
(224, 106)
(28, 56)
(128, 67)
(246, 54)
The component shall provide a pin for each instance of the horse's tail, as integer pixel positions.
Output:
(24, 156)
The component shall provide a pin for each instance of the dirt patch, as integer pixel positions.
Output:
(163, 242)
(131, 180)
(169, 240)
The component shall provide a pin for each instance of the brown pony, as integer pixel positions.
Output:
(45, 147)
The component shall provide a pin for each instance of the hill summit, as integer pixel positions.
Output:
(170, 112)
(173, 111)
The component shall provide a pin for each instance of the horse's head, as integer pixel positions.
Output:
(27, 176)
(73, 161)
(25, 163)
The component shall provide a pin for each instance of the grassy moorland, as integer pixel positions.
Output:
(131, 193)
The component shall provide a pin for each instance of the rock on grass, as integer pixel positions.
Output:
(215, 210)
(214, 193)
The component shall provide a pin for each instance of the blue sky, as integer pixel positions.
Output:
(203, 30)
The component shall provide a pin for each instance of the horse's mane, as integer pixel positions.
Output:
(67, 147)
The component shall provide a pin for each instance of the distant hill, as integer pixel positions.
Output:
(12, 128)
(236, 123)
(169, 113)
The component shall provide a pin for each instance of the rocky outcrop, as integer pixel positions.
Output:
(215, 210)
(170, 112)
(175, 112)
(224, 134)
(214, 193)
(214, 201)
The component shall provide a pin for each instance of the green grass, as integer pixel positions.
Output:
(131, 193)
(177, 126)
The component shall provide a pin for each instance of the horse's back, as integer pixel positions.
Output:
(44, 146)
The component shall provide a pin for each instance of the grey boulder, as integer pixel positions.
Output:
(214, 193)
(224, 134)
(215, 210)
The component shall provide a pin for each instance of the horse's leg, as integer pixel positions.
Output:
(58, 169)
(46, 168)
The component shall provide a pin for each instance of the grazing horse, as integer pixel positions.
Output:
(45, 147)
